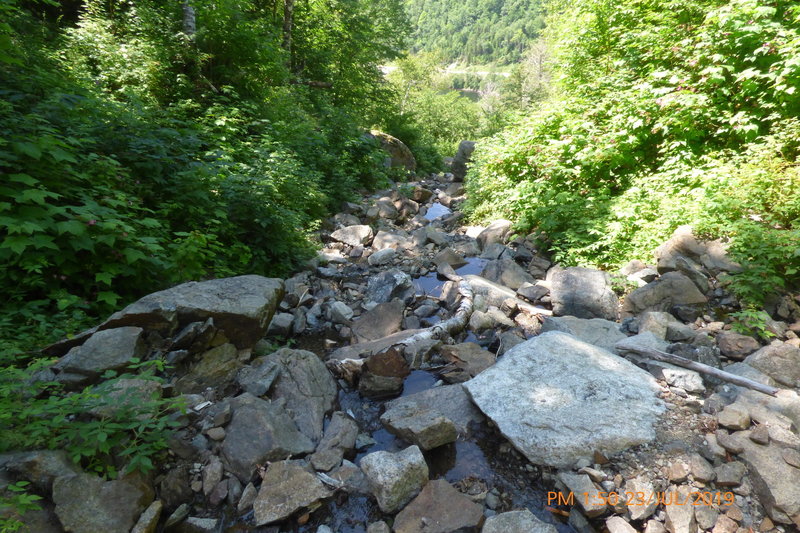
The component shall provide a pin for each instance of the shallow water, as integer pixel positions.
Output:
(437, 210)
(429, 285)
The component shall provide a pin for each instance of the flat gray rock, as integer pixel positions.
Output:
(419, 426)
(449, 401)
(260, 431)
(286, 488)
(86, 503)
(340, 436)
(597, 331)
(558, 399)
(110, 349)
(516, 522)
(379, 322)
(307, 386)
(241, 306)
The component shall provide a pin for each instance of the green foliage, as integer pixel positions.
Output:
(753, 322)
(664, 113)
(431, 118)
(101, 429)
(475, 31)
(138, 156)
(14, 503)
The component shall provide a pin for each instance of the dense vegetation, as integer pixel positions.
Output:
(141, 148)
(662, 113)
(475, 31)
(145, 143)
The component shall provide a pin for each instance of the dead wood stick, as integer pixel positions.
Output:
(704, 369)
(349, 368)
(453, 324)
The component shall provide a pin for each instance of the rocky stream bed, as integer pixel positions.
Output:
(318, 403)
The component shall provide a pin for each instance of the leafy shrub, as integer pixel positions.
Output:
(666, 113)
(124, 434)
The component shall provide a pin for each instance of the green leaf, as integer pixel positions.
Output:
(16, 243)
(29, 149)
(73, 227)
(109, 297)
(24, 179)
(104, 277)
(37, 196)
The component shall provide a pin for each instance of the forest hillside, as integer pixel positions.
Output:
(475, 31)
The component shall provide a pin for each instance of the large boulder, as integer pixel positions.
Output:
(395, 478)
(286, 488)
(597, 331)
(307, 386)
(353, 235)
(388, 285)
(439, 508)
(711, 254)
(86, 503)
(781, 362)
(461, 159)
(111, 349)
(496, 232)
(506, 272)
(260, 431)
(399, 154)
(583, 293)
(673, 290)
(448, 401)
(241, 306)
(558, 400)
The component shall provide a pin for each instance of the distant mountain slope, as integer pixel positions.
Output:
(475, 31)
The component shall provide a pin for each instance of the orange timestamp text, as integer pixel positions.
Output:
(640, 498)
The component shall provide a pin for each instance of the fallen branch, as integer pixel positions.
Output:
(453, 324)
(350, 368)
(704, 369)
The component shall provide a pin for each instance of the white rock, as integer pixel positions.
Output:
(395, 478)
(558, 399)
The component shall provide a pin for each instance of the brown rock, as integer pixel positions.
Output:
(678, 471)
(287, 487)
(736, 346)
(469, 357)
(733, 418)
(725, 525)
(760, 434)
(439, 508)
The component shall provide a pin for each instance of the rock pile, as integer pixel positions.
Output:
(545, 369)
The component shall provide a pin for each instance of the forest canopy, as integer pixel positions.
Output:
(475, 31)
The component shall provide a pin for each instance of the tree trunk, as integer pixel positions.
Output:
(288, 22)
(189, 20)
